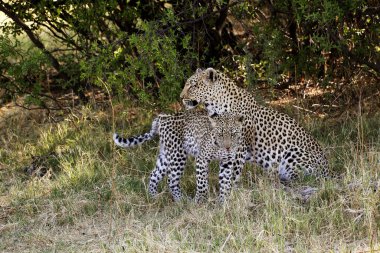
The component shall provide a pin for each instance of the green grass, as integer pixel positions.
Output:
(96, 199)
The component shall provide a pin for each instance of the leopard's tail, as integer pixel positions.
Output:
(138, 139)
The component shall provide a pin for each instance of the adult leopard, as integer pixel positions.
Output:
(275, 139)
(197, 134)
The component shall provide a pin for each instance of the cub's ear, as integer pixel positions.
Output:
(240, 119)
(199, 70)
(210, 75)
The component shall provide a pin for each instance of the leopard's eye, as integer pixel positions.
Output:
(192, 82)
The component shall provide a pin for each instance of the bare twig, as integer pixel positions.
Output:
(304, 109)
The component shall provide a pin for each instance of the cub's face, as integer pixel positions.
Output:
(228, 132)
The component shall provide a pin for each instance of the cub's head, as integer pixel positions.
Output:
(227, 131)
(201, 87)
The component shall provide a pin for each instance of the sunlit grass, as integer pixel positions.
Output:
(96, 198)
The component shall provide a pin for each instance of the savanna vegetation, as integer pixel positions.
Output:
(73, 72)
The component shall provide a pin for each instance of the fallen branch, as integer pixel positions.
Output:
(304, 109)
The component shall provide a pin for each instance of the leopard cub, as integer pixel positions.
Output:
(193, 134)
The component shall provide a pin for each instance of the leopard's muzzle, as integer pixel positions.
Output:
(189, 104)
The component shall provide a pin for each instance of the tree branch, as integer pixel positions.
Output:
(33, 37)
(201, 18)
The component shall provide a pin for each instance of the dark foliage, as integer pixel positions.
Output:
(147, 49)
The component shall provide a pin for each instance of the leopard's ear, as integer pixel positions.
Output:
(210, 75)
(199, 70)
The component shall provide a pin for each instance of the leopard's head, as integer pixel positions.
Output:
(205, 86)
(227, 132)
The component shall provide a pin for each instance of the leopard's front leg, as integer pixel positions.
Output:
(202, 179)
(225, 178)
(237, 166)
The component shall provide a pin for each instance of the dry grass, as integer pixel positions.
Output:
(96, 198)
